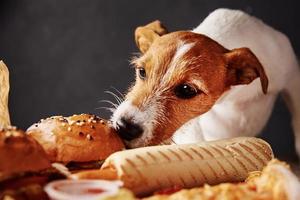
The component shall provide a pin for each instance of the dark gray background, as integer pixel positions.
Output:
(63, 54)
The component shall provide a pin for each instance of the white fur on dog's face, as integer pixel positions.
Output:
(150, 112)
(172, 60)
(145, 119)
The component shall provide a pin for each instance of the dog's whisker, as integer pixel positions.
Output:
(119, 100)
(120, 93)
(172, 140)
(163, 143)
(109, 102)
(106, 108)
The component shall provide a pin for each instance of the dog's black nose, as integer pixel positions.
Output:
(128, 130)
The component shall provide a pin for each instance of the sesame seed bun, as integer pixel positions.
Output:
(20, 153)
(78, 138)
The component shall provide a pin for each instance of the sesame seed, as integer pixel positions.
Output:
(102, 121)
(72, 122)
(96, 118)
(89, 137)
(69, 129)
(63, 120)
(92, 127)
(80, 123)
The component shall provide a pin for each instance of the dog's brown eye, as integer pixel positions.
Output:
(141, 72)
(185, 91)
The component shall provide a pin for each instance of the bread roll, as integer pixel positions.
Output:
(20, 153)
(78, 138)
(148, 169)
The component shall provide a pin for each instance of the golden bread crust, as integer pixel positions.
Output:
(20, 153)
(79, 138)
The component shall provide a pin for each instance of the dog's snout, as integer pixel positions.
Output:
(128, 130)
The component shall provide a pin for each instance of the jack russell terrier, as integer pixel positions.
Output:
(217, 81)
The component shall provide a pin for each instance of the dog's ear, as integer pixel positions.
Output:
(244, 67)
(145, 35)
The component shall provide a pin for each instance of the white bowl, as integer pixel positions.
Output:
(82, 189)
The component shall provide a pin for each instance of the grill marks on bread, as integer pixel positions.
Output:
(190, 165)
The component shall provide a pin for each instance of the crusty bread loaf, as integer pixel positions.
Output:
(78, 138)
(20, 153)
(147, 169)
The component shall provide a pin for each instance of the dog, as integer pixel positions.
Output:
(217, 81)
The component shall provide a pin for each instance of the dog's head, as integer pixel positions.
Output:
(179, 76)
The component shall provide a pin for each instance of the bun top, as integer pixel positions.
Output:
(79, 138)
(20, 153)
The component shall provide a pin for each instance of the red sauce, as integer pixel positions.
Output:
(94, 191)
